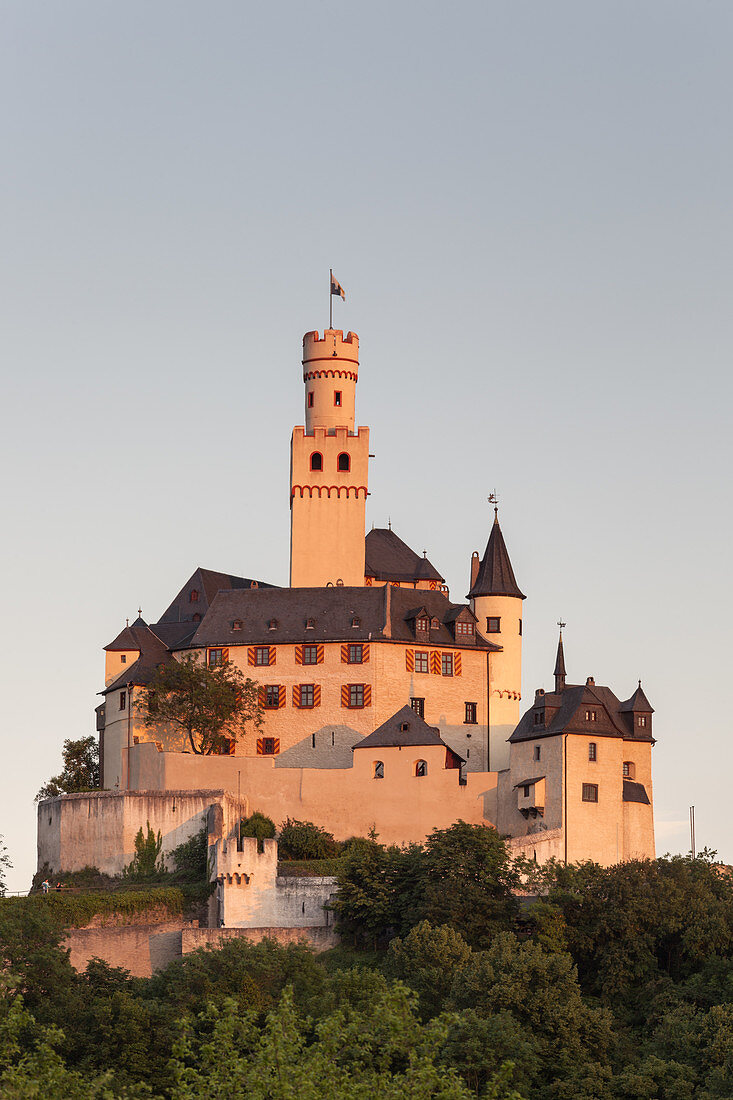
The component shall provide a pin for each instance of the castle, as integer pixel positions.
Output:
(385, 705)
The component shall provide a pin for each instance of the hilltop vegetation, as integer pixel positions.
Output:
(618, 983)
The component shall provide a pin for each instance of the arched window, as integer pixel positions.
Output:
(193, 596)
(316, 461)
(344, 463)
(421, 768)
(378, 769)
(196, 618)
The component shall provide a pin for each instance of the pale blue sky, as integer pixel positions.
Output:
(529, 206)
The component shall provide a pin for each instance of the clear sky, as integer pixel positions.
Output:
(529, 206)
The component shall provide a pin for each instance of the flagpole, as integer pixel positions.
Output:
(330, 298)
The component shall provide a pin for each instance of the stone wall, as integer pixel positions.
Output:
(140, 948)
(320, 939)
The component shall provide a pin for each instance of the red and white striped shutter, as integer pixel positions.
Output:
(272, 654)
(251, 655)
(367, 695)
(435, 662)
(410, 660)
(296, 695)
(261, 696)
(260, 746)
(281, 696)
(344, 655)
(317, 695)
(225, 656)
(299, 655)
(365, 653)
(319, 655)
(276, 746)
(345, 695)
(456, 664)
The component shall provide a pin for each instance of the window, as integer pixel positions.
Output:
(421, 769)
(196, 618)
(378, 769)
(640, 721)
(272, 696)
(123, 658)
(268, 746)
(273, 624)
(344, 463)
(262, 655)
(470, 718)
(538, 717)
(310, 624)
(525, 791)
(590, 716)
(310, 399)
(435, 625)
(356, 695)
(337, 398)
(422, 624)
(418, 705)
(316, 461)
(193, 595)
(237, 624)
(215, 657)
(520, 628)
(446, 664)
(422, 660)
(404, 726)
(356, 654)
(310, 654)
(464, 630)
(356, 621)
(123, 700)
(306, 695)
(493, 625)
(590, 792)
(592, 751)
(629, 769)
(537, 752)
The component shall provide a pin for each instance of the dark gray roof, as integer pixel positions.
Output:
(560, 659)
(391, 734)
(130, 637)
(564, 712)
(530, 782)
(635, 792)
(638, 703)
(153, 653)
(207, 582)
(174, 634)
(495, 575)
(380, 613)
(387, 557)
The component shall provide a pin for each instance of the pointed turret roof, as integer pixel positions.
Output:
(495, 576)
(559, 672)
(638, 703)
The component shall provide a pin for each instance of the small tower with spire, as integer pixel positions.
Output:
(560, 663)
(496, 601)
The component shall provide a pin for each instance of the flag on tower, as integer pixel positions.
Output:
(336, 288)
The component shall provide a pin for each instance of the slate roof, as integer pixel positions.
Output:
(381, 612)
(495, 575)
(153, 652)
(387, 557)
(635, 792)
(207, 582)
(564, 712)
(418, 734)
(530, 782)
(638, 703)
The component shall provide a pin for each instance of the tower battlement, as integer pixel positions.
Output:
(333, 345)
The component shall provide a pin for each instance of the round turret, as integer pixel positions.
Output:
(330, 373)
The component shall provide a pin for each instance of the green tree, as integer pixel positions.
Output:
(5, 865)
(304, 840)
(427, 960)
(80, 772)
(259, 825)
(209, 705)
(146, 863)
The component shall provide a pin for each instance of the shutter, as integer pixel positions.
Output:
(435, 662)
(456, 664)
(299, 655)
(276, 746)
(261, 696)
(260, 746)
(367, 695)
(281, 696)
(410, 660)
(225, 656)
(344, 655)
(319, 655)
(345, 695)
(317, 695)
(251, 655)
(364, 654)
(296, 695)
(272, 654)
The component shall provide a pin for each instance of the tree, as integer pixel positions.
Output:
(304, 840)
(4, 863)
(210, 705)
(146, 863)
(81, 769)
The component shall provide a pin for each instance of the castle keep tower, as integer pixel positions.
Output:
(329, 464)
(496, 601)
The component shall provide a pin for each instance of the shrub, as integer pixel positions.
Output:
(146, 864)
(191, 859)
(304, 840)
(258, 825)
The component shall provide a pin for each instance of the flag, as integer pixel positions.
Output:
(336, 288)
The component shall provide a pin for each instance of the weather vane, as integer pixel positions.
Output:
(493, 499)
(561, 624)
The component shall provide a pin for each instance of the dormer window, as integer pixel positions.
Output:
(422, 624)
(590, 715)
(435, 625)
(196, 618)
(404, 726)
(538, 717)
(464, 630)
(237, 624)
(193, 595)
(310, 624)
(641, 721)
(273, 624)
(356, 621)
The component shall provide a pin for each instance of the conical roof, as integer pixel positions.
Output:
(638, 703)
(560, 659)
(495, 576)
